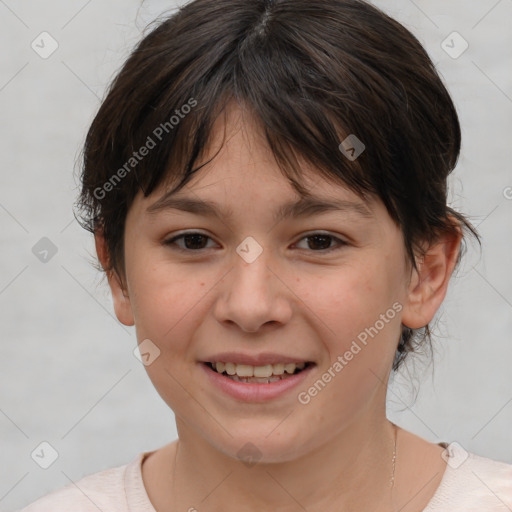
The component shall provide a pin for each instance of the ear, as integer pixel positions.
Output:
(428, 286)
(122, 305)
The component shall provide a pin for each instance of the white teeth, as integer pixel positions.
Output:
(230, 368)
(263, 371)
(258, 372)
(263, 380)
(289, 368)
(278, 369)
(244, 370)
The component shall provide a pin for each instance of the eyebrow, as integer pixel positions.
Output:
(303, 207)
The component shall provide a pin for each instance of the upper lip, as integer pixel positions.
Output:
(253, 360)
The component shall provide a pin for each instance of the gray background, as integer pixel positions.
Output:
(68, 373)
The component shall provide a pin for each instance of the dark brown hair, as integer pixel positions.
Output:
(311, 72)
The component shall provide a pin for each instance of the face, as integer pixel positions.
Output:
(324, 287)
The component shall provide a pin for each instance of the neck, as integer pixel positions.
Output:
(352, 470)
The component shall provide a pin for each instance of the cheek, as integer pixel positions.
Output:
(363, 317)
(361, 306)
(161, 301)
(167, 311)
(352, 299)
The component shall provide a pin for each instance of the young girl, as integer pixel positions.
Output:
(266, 184)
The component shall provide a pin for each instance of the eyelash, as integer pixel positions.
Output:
(171, 242)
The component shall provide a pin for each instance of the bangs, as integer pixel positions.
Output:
(336, 86)
(305, 106)
(300, 125)
(309, 76)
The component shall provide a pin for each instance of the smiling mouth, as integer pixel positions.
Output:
(265, 374)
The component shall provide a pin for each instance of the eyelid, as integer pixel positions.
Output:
(181, 235)
(340, 243)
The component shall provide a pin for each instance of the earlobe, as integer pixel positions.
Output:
(120, 297)
(122, 304)
(429, 284)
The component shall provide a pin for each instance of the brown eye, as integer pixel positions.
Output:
(321, 242)
(192, 241)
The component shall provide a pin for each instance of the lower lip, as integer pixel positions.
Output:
(253, 391)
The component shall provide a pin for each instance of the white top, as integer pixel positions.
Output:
(470, 483)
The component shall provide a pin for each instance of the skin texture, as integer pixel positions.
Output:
(295, 299)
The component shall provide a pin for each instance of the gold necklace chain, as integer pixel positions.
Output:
(393, 460)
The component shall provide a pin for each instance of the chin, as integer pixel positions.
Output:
(256, 446)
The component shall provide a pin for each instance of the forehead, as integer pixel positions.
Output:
(239, 171)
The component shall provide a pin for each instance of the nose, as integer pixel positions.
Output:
(254, 295)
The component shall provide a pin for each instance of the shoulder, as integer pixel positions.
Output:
(473, 483)
(104, 490)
